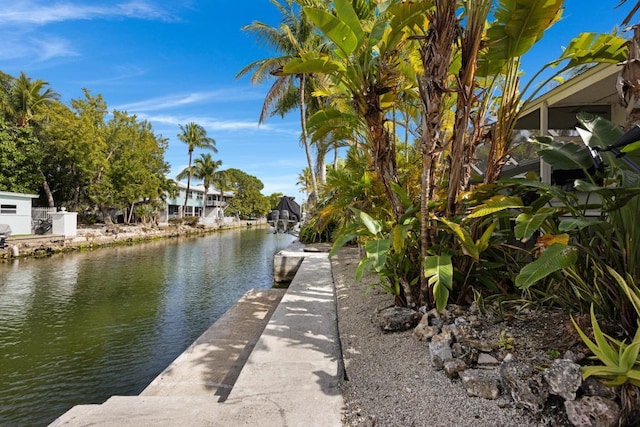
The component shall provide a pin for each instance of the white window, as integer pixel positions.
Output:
(8, 209)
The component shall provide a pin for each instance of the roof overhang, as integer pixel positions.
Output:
(593, 91)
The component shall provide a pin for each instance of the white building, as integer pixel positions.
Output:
(15, 211)
(209, 208)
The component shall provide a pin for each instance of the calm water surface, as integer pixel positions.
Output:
(78, 328)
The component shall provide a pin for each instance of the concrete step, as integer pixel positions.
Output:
(214, 361)
(139, 411)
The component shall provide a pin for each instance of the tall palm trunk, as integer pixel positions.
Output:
(463, 141)
(186, 195)
(384, 149)
(436, 51)
(305, 135)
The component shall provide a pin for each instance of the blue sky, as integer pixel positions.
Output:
(173, 62)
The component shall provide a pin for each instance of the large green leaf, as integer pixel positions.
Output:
(554, 258)
(527, 224)
(346, 13)
(566, 156)
(377, 250)
(570, 224)
(329, 120)
(438, 269)
(495, 204)
(374, 226)
(589, 48)
(464, 237)
(364, 265)
(399, 234)
(483, 242)
(518, 26)
(600, 132)
(405, 15)
(339, 32)
(312, 63)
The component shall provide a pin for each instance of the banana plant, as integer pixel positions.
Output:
(366, 68)
(389, 249)
(471, 235)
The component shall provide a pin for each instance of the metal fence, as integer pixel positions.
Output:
(41, 220)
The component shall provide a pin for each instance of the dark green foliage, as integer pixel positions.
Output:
(18, 164)
(311, 233)
(247, 202)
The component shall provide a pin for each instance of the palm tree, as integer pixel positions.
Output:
(205, 169)
(294, 37)
(28, 98)
(222, 182)
(195, 136)
(304, 181)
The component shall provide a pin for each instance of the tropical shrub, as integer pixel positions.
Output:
(390, 249)
(585, 230)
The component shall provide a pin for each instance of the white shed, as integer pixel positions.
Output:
(15, 211)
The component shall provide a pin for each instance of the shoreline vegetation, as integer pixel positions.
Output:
(100, 235)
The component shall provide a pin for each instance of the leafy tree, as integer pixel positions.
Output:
(274, 200)
(137, 169)
(363, 67)
(195, 136)
(248, 201)
(17, 148)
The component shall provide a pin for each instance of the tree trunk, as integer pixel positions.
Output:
(464, 142)
(130, 216)
(47, 190)
(629, 81)
(186, 195)
(305, 136)
(105, 215)
(321, 166)
(436, 54)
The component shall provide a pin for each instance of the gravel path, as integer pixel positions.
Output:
(391, 381)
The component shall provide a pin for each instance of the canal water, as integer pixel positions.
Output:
(79, 328)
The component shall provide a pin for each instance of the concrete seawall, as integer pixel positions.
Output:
(262, 363)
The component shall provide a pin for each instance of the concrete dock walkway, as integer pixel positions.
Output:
(290, 377)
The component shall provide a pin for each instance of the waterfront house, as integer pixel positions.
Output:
(15, 211)
(554, 113)
(210, 207)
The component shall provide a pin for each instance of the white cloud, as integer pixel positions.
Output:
(184, 99)
(21, 19)
(52, 47)
(208, 123)
(120, 73)
(42, 48)
(41, 13)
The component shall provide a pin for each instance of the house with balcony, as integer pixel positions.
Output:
(209, 207)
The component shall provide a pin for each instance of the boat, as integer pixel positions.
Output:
(286, 216)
